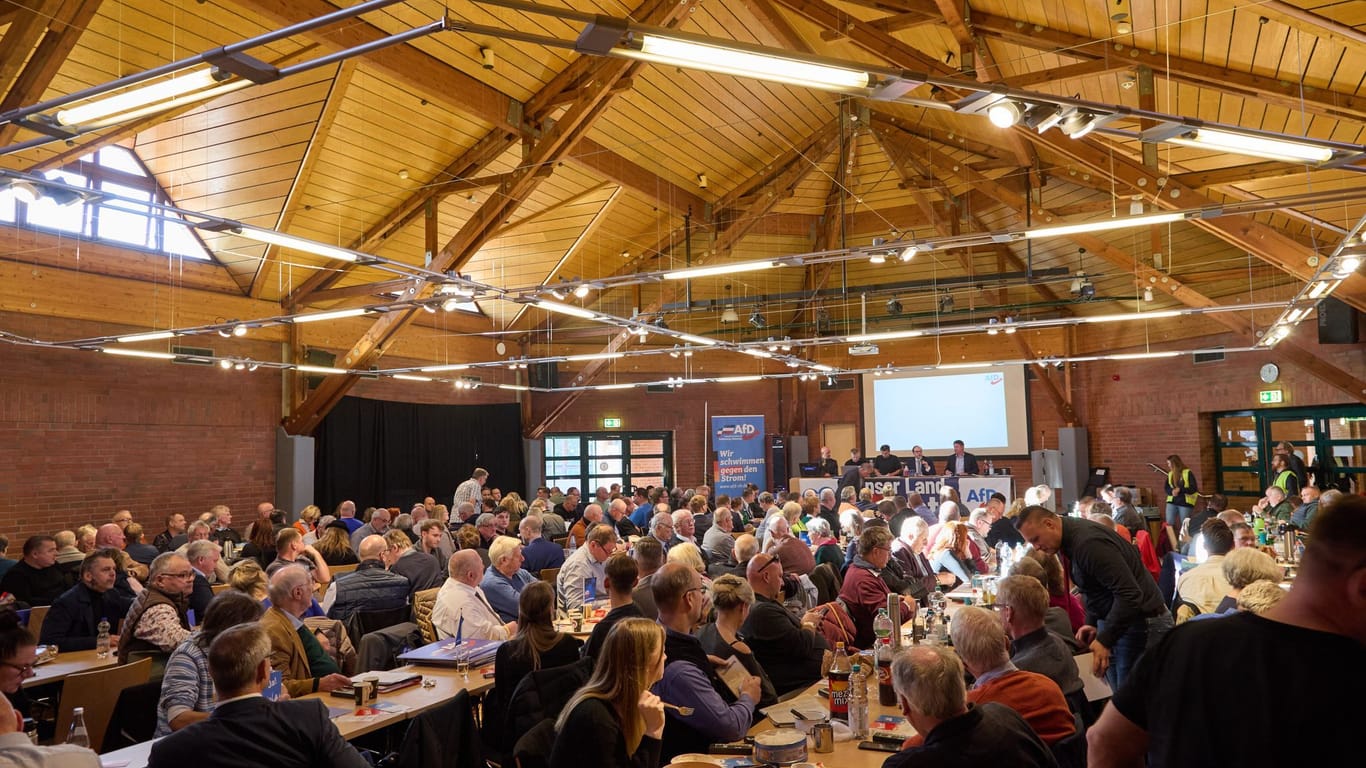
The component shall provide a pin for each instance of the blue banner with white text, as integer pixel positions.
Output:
(737, 446)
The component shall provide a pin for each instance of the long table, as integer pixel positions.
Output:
(68, 663)
(974, 490)
(415, 701)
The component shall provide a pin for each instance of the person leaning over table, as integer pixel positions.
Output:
(72, 622)
(928, 680)
(187, 694)
(295, 652)
(788, 648)
(157, 620)
(1294, 676)
(247, 729)
(614, 719)
(690, 679)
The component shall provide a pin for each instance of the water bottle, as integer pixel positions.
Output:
(858, 703)
(1004, 560)
(882, 626)
(839, 684)
(1259, 526)
(77, 735)
(102, 639)
(573, 545)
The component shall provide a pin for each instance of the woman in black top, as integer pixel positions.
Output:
(334, 544)
(535, 646)
(733, 597)
(261, 546)
(614, 720)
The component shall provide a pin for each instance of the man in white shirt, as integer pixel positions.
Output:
(588, 561)
(461, 609)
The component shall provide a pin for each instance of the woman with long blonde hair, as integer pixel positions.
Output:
(614, 719)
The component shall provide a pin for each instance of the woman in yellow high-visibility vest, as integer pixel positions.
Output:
(1180, 491)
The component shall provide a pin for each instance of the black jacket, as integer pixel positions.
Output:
(1117, 587)
(987, 734)
(254, 731)
(72, 623)
(791, 655)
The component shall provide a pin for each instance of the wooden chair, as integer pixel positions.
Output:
(98, 692)
(563, 541)
(219, 587)
(422, 613)
(549, 575)
(36, 615)
(337, 569)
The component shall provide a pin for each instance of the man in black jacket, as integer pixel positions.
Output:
(72, 622)
(789, 650)
(1125, 614)
(247, 729)
(36, 579)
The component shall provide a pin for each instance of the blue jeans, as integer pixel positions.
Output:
(1176, 513)
(1129, 648)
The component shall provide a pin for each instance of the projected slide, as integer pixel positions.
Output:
(985, 409)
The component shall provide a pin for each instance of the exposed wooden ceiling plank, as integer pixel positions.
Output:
(1066, 72)
(20, 38)
(777, 25)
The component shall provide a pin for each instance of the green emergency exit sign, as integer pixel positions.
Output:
(1270, 396)
(616, 423)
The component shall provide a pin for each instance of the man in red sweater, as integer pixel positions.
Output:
(980, 640)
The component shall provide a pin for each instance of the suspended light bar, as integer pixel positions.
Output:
(410, 377)
(138, 97)
(1124, 316)
(1103, 225)
(139, 353)
(756, 352)
(438, 368)
(319, 369)
(957, 366)
(564, 309)
(1254, 146)
(295, 243)
(514, 387)
(335, 314)
(1140, 356)
(737, 379)
(153, 336)
(719, 269)
(888, 336)
(731, 60)
(596, 356)
(688, 337)
(607, 387)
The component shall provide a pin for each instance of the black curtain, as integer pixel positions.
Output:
(386, 454)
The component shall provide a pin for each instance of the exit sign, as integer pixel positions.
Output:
(616, 423)
(1270, 396)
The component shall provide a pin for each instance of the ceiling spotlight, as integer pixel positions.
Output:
(946, 302)
(1004, 114)
(1148, 293)
(1088, 290)
(878, 258)
(729, 315)
(253, 366)
(893, 306)
(488, 58)
(786, 346)
(660, 324)
(675, 352)
(1043, 117)
(756, 318)
(450, 305)
(429, 309)
(225, 364)
(239, 330)
(472, 198)
(582, 290)
(772, 344)
(625, 254)
(992, 330)
(908, 253)
(702, 180)
(1078, 124)
(1010, 324)
(687, 352)
(64, 198)
(1348, 263)
(239, 366)
(225, 333)
(25, 192)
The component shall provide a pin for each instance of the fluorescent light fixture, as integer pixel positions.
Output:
(1133, 316)
(737, 379)
(756, 352)
(410, 377)
(1140, 356)
(888, 336)
(319, 369)
(691, 339)
(1279, 332)
(335, 314)
(605, 387)
(564, 309)
(1319, 289)
(596, 356)
(1104, 225)
(137, 97)
(719, 269)
(825, 368)
(295, 243)
(1255, 146)
(1296, 314)
(909, 253)
(153, 336)
(1347, 264)
(140, 353)
(514, 387)
(172, 103)
(439, 368)
(957, 366)
(726, 60)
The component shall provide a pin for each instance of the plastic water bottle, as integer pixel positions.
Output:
(77, 736)
(882, 626)
(858, 703)
(1004, 559)
(573, 545)
(102, 639)
(839, 684)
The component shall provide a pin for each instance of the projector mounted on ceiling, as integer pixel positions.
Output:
(862, 350)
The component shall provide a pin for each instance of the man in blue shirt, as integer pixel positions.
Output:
(643, 508)
(538, 553)
(505, 578)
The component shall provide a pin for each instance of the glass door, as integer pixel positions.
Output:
(1330, 439)
(592, 460)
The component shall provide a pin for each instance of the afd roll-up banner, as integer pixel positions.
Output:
(737, 446)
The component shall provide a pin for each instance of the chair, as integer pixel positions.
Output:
(219, 587)
(422, 613)
(826, 581)
(549, 575)
(442, 737)
(533, 748)
(561, 540)
(339, 569)
(362, 623)
(379, 649)
(1071, 751)
(36, 615)
(135, 716)
(98, 692)
(543, 693)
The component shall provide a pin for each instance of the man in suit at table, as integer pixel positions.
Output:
(294, 650)
(203, 557)
(247, 729)
(960, 462)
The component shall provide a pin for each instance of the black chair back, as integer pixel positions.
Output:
(134, 719)
(533, 748)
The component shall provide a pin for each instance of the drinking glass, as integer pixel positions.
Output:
(462, 663)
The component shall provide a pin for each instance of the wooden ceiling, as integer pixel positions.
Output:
(350, 154)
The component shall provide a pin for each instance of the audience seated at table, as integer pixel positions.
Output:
(1055, 618)
(36, 579)
(295, 651)
(538, 552)
(732, 598)
(203, 558)
(247, 729)
(16, 751)
(614, 720)
(462, 610)
(792, 552)
(979, 641)
(622, 574)
(334, 544)
(422, 570)
(826, 546)
(863, 591)
(199, 530)
(187, 693)
(72, 622)
(371, 587)
(1242, 568)
(1200, 589)
(18, 653)
(788, 648)
(111, 536)
(690, 679)
(908, 550)
(718, 543)
(585, 563)
(928, 680)
(505, 578)
(1059, 596)
(157, 621)
(1022, 602)
(290, 549)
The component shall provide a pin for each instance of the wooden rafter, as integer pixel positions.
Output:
(1347, 382)
(830, 231)
(1066, 72)
(1050, 387)
(777, 25)
(553, 144)
(54, 36)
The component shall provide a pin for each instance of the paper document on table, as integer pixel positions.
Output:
(784, 712)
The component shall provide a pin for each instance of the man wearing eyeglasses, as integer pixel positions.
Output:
(157, 620)
(588, 561)
(790, 650)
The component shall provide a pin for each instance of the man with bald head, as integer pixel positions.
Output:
(790, 650)
(294, 650)
(592, 515)
(371, 587)
(462, 611)
(111, 536)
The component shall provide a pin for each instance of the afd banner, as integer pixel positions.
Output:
(737, 445)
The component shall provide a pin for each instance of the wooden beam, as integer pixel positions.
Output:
(23, 33)
(59, 34)
(546, 151)
(1060, 401)
(1066, 72)
(777, 25)
(1266, 169)
(1272, 90)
